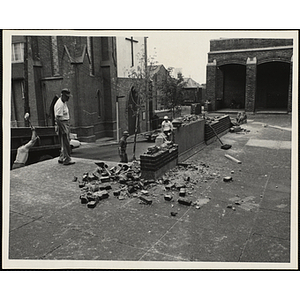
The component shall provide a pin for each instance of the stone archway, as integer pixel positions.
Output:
(272, 86)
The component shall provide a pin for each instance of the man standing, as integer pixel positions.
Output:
(167, 127)
(122, 147)
(62, 118)
(22, 152)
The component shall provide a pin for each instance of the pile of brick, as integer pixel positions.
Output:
(95, 186)
(124, 181)
(186, 119)
(183, 179)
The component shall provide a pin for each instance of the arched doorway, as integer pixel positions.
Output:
(234, 80)
(272, 86)
(132, 110)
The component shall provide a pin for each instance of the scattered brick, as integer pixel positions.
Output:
(227, 179)
(85, 177)
(100, 195)
(92, 177)
(106, 187)
(147, 201)
(182, 192)
(94, 187)
(169, 186)
(83, 199)
(105, 179)
(117, 193)
(92, 204)
(122, 179)
(184, 201)
(168, 197)
(131, 189)
(81, 184)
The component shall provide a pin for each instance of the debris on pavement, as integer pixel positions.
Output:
(168, 197)
(124, 181)
(233, 159)
(231, 206)
(182, 192)
(144, 200)
(184, 201)
(227, 178)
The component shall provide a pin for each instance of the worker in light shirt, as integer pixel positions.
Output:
(62, 119)
(23, 151)
(167, 128)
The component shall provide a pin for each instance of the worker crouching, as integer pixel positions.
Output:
(123, 146)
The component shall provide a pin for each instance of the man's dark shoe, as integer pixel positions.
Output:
(69, 163)
(60, 162)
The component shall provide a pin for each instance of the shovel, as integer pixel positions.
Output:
(224, 146)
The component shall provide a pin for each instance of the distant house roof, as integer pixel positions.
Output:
(155, 69)
(191, 83)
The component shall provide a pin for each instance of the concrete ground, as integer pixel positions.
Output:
(243, 223)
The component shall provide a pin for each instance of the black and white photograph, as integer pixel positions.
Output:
(150, 149)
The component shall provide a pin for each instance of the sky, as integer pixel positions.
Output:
(188, 50)
(185, 49)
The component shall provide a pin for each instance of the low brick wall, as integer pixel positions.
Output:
(155, 165)
(221, 126)
(190, 139)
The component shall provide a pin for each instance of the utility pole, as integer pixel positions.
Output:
(117, 116)
(25, 91)
(146, 85)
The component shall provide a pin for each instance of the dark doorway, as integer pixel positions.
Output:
(132, 110)
(51, 110)
(234, 80)
(272, 86)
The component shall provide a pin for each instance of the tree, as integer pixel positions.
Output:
(140, 88)
(172, 91)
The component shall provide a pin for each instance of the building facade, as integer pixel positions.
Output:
(250, 74)
(43, 65)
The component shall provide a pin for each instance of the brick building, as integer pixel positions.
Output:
(43, 65)
(250, 74)
(192, 92)
(158, 74)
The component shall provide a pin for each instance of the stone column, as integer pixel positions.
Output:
(211, 72)
(289, 108)
(251, 67)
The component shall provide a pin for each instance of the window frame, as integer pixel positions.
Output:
(21, 52)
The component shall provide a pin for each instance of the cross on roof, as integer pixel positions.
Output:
(132, 41)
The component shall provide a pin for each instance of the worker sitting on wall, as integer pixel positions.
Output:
(241, 118)
(167, 128)
(22, 152)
